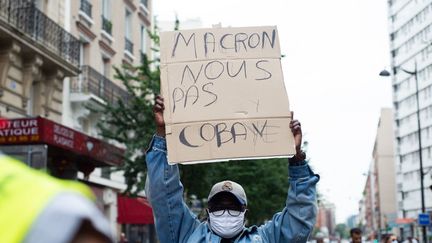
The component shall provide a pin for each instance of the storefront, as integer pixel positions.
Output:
(44, 144)
(63, 152)
(136, 218)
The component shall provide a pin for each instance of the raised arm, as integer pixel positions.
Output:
(174, 221)
(296, 221)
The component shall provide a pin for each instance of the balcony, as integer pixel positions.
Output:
(128, 45)
(107, 25)
(86, 7)
(27, 24)
(91, 82)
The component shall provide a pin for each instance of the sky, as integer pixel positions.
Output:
(333, 51)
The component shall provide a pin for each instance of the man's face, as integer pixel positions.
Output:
(356, 238)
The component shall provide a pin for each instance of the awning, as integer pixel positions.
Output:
(40, 130)
(405, 220)
(134, 210)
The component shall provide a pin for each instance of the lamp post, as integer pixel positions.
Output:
(414, 73)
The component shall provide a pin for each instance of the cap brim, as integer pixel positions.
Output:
(239, 200)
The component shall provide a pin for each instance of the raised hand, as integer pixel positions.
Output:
(297, 132)
(158, 109)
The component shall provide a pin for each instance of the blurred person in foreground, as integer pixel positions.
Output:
(38, 208)
(356, 235)
(227, 202)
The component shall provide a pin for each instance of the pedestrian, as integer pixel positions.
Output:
(319, 237)
(227, 201)
(35, 207)
(123, 238)
(389, 238)
(410, 239)
(356, 235)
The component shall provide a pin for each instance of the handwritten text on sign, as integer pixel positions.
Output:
(224, 94)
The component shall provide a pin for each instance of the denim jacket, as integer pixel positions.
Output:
(176, 223)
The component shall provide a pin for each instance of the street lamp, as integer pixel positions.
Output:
(414, 73)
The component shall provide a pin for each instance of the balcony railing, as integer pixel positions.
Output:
(91, 81)
(128, 45)
(86, 7)
(106, 25)
(23, 16)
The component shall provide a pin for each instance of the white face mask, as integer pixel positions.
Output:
(227, 226)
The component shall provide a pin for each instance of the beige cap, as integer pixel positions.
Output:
(231, 187)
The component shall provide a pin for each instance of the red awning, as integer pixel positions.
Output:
(405, 221)
(38, 130)
(134, 210)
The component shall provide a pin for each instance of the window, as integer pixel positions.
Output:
(86, 7)
(106, 9)
(84, 50)
(106, 16)
(128, 24)
(143, 39)
(128, 31)
(106, 67)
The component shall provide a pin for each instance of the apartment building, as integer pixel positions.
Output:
(326, 219)
(410, 27)
(57, 59)
(380, 187)
(111, 33)
(366, 208)
(36, 54)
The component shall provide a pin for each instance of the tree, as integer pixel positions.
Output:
(342, 230)
(129, 121)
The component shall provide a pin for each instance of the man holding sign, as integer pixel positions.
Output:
(227, 203)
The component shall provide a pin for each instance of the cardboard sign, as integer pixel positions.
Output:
(224, 95)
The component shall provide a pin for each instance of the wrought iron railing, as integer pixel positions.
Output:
(128, 45)
(23, 16)
(106, 25)
(91, 81)
(86, 7)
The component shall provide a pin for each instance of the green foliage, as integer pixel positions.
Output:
(130, 121)
(342, 230)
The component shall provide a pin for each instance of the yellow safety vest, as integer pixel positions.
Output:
(24, 193)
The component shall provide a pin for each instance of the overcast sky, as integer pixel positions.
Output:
(334, 51)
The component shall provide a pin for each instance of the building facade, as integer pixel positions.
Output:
(36, 54)
(366, 208)
(379, 193)
(111, 33)
(384, 172)
(57, 58)
(410, 27)
(326, 219)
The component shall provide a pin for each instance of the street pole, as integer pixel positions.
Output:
(420, 148)
(414, 73)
